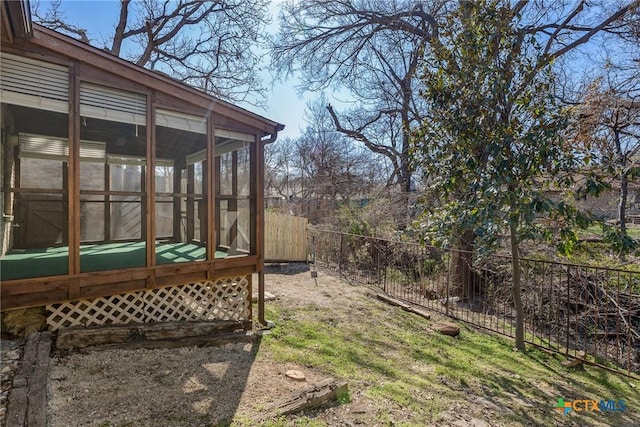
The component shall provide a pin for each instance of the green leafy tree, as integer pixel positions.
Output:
(493, 144)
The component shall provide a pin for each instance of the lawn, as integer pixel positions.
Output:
(405, 374)
(595, 231)
(399, 373)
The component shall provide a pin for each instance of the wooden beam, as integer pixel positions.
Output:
(257, 203)
(257, 219)
(190, 202)
(177, 201)
(111, 334)
(55, 289)
(107, 203)
(74, 171)
(150, 211)
(212, 182)
(216, 218)
(65, 201)
(203, 205)
(17, 189)
(232, 204)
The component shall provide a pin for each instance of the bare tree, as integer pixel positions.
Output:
(332, 167)
(609, 129)
(281, 169)
(322, 165)
(372, 49)
(207, 44)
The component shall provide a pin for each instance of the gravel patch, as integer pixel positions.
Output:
(10, 359)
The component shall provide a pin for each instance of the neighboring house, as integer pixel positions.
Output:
(127, 196)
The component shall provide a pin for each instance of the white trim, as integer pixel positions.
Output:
(221, 133)
(181, 121)
(196, 157)
(118, 159)
(164, 162)
(222, 148)
(231, 145)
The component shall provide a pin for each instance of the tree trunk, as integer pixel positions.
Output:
(461, 264)
(517, 297)
(622, 205)
(624, 184)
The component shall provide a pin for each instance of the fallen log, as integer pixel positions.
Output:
(403, 305)
(311, 397)
(574, 361)
(446, 328)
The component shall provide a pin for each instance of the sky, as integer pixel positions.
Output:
(283, 104)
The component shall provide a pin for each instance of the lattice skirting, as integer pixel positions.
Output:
(227, 298)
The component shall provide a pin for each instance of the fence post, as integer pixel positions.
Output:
(568, 320)
(446, 306)
(340, 254)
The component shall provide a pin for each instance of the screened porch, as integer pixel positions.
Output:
(117, 183)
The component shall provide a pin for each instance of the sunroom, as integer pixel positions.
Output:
(126, 195)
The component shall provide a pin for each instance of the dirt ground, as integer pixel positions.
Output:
(196, 386)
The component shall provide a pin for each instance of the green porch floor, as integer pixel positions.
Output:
(27, 263)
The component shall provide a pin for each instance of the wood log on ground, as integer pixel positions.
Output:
(127, 334)
(572, 363)
(27, 403)
(446, 328)
(403, 305)
(311, 397)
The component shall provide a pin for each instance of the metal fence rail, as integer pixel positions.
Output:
(569, 308)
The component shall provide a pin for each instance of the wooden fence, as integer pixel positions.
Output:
(285, 237)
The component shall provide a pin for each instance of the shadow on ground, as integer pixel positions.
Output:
(180, 387)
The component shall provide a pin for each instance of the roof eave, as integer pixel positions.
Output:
(17, 19)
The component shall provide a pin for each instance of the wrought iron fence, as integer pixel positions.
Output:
(591, 313)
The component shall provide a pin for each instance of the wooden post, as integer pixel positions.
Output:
(65, 202)
(256, 192)
(257, 218)
(144, 205)
(211, 185)
(150, 196)
(190, 202)
(233, 202)
(216, 216)
(177, 202)
(340, 252)
(107, 203)
(73, 171)
(203, 204)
